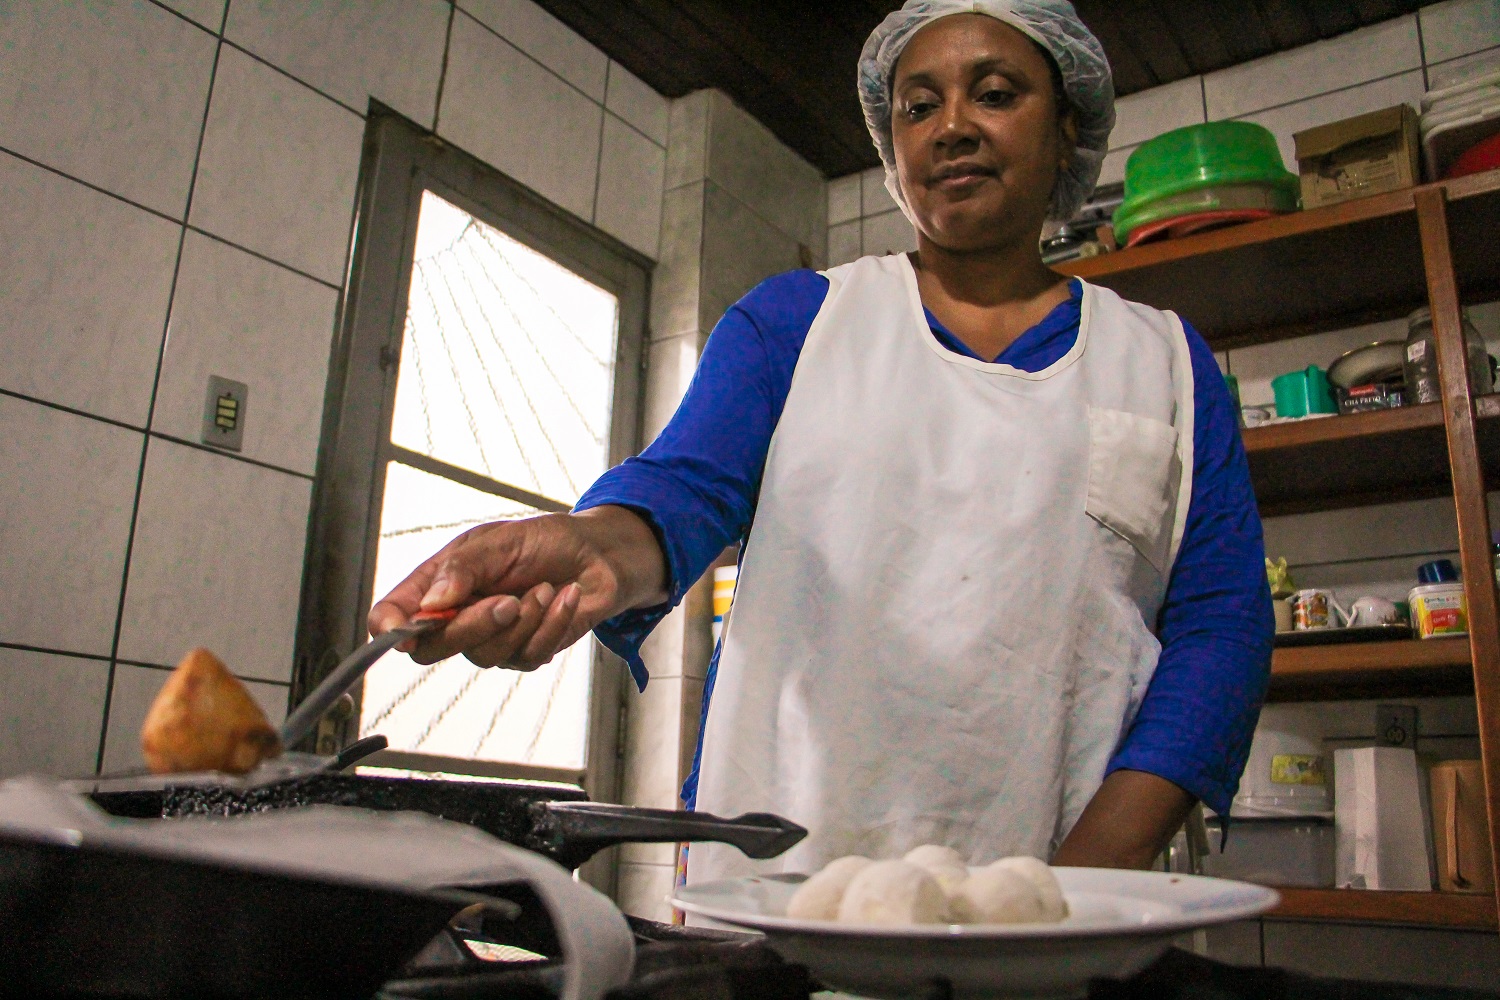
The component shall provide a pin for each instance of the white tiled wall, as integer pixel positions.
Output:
(180, 180)
(1364, 70)
(864, 219)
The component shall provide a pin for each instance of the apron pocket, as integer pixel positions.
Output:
(1134, 473)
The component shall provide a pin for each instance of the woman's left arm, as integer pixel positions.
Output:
(1191, 737)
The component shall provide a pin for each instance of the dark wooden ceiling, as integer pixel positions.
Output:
(791, 65)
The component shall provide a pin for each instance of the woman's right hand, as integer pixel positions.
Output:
(529, 589)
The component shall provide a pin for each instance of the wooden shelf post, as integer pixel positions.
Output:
(1469, 492)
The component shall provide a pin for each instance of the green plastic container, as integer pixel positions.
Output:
(1214, 155)
(1304, 392)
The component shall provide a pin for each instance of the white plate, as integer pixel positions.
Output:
(1119, 922)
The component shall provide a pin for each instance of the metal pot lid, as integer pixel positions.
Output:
(1371, 363)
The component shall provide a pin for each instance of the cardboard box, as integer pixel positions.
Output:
(1363, 155)
(1363, 398)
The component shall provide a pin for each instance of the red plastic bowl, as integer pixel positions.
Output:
(1194, 222)
(1482, 156)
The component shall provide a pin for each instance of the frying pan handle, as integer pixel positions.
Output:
(579, 830)
(356, 752)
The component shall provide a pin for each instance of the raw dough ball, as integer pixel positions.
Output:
(895, 893)
(1041, 876)
(819, 897)
(997, 896)
(942, 863)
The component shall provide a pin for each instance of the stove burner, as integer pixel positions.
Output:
(671, 962)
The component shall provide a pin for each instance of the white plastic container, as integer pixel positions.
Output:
(1287, 773)
(1439, 610)
(1457, 117)
(1287, 852)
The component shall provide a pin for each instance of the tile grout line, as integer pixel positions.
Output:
(453, 12)
(75, 654)
(158, 213)
(545, 68)
(756, 212)
(260, 256)
(147, 665)
(569, 83)
(73, 410)
(183, 17)
(92, 186)
(161, 353)
(437, 101)
(1421, 49)
(159, 435)
(295, 79)
(1313, 97)
(599, 153)
(245, 460)
(1371, 559)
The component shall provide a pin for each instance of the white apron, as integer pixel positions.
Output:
(943, 624)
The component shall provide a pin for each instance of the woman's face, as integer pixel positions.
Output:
(978, 138)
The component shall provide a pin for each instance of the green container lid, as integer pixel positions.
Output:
(1212, 154)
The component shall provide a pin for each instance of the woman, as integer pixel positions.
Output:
(1004, 589)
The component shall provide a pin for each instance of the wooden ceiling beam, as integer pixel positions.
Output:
(1153, 39)
(1288, 22)
(1198, 20)
(1244, 32)
(810, 92)
(792, 66)
(1130, 72)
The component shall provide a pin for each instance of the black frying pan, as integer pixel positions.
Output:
(557, 822)
(90, 921)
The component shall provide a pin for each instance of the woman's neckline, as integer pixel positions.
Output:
(969, 360)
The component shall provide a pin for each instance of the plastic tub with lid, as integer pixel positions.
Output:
(1439, 610)
(1458, 118)
(1284, 850)
(1238, 160)
(1287, 772)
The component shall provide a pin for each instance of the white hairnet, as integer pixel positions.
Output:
(1054, 26)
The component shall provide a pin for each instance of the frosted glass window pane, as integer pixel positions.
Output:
(507, 363)
(453, 708)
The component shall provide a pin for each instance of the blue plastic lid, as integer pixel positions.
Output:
(1437, 571)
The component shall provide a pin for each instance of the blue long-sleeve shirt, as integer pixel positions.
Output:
(698, 482)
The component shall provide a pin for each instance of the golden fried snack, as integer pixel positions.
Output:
(205, 720)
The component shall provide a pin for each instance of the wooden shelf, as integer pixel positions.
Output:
(1473, 220)
(1364, 458)
(1410, 668)
(1414, 909)
(1323, 269)
(1366, 260)
(1349, 461)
